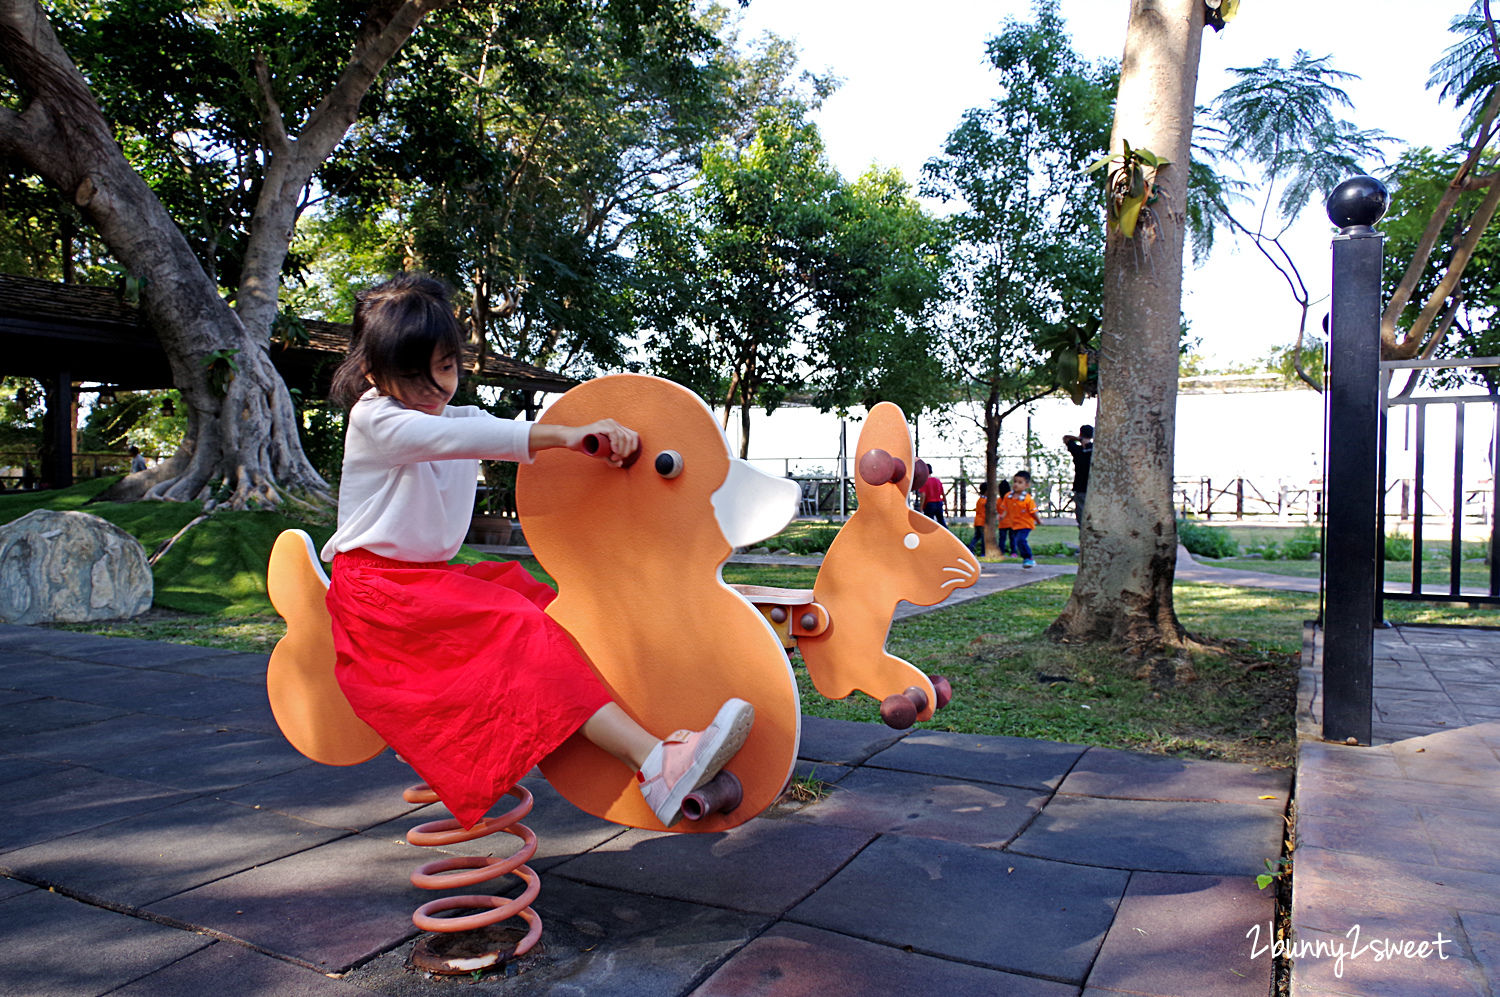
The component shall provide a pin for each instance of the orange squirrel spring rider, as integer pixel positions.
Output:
(637, 554)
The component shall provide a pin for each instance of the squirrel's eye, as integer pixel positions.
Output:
(669, 463)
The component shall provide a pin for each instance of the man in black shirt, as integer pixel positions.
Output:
(1082, 449)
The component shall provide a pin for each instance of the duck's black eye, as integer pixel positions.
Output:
(669, 463)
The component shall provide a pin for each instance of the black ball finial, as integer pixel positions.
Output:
(1358, 203)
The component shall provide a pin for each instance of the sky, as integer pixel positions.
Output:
(911, 69)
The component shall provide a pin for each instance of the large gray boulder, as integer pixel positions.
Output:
(66, 567)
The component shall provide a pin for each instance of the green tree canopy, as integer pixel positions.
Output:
(1024, 288)
(772, 275)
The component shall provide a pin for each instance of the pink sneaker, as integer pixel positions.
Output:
(687, 759)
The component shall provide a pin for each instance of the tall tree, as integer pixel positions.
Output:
(1467, 325)
(1463, 212)
(231, 109)
(516, 172)
(772, 275)
(1128, 535)
(1028, 262)
(242, 441)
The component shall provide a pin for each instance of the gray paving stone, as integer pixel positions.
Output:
(1477, 713)
(234, 666)
(331, 907)
(595, 942)
(1185, 936)
(81, 681)
(1387, 886)
(348, 796)
(210, 764)
(1010, 761)
(55, 945)
(1447, 670)
(1353, 955)
(1483, 934)
(106, 740)
(927, 806)
(1135, 776)
(1406, 713)
(844, 742)
(13, 887)
(830, 773)
(13, 767)
(973, 904)
(1457, 758)
(1321, 792)
(237, 970)
(1392, 673)
(190, 697)
(764, 866)
(70, 799)
(1382, 733)
(1207, 838)
(128, 652)
(791, 959)
(48, 676)
(1474, 693)
(1463, 839)
(35, 715)
(1371, 827)
(145, 858)
(48, 641)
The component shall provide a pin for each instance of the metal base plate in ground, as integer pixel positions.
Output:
(464, 952)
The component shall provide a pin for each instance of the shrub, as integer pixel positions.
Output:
(1271, 551)
(1205, 540)
(813, 540)
(1397, 548)
(1303, 544)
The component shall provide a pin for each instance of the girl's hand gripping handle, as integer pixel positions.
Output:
(613, 442)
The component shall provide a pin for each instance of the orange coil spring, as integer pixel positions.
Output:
(445, 874)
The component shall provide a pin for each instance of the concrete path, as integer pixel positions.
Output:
(1396, 884)
(163, 839)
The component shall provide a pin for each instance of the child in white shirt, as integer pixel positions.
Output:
(458, 667)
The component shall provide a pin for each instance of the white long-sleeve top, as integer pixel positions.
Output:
(409, 478)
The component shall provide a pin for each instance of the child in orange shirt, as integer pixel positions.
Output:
(1018, 516)
(977, 544)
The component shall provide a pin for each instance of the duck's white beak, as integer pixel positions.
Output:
(751, 505)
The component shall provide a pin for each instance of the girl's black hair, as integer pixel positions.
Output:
(397, 326)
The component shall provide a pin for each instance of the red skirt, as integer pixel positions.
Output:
(459, 669)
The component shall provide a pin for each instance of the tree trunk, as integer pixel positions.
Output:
(1128, 537)
(990, 488)
(241, 446)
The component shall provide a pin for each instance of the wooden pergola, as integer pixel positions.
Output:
(61, 334)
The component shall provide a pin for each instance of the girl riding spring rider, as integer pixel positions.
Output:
(457, 667)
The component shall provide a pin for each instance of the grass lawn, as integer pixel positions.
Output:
(1010, 679)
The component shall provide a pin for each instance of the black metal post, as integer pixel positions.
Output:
(1353, 460)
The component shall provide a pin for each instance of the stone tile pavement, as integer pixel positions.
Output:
(161, 838)
(1396, 884)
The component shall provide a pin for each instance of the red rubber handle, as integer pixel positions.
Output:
(597, 445)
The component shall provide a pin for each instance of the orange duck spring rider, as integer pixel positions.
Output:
(637, 555)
